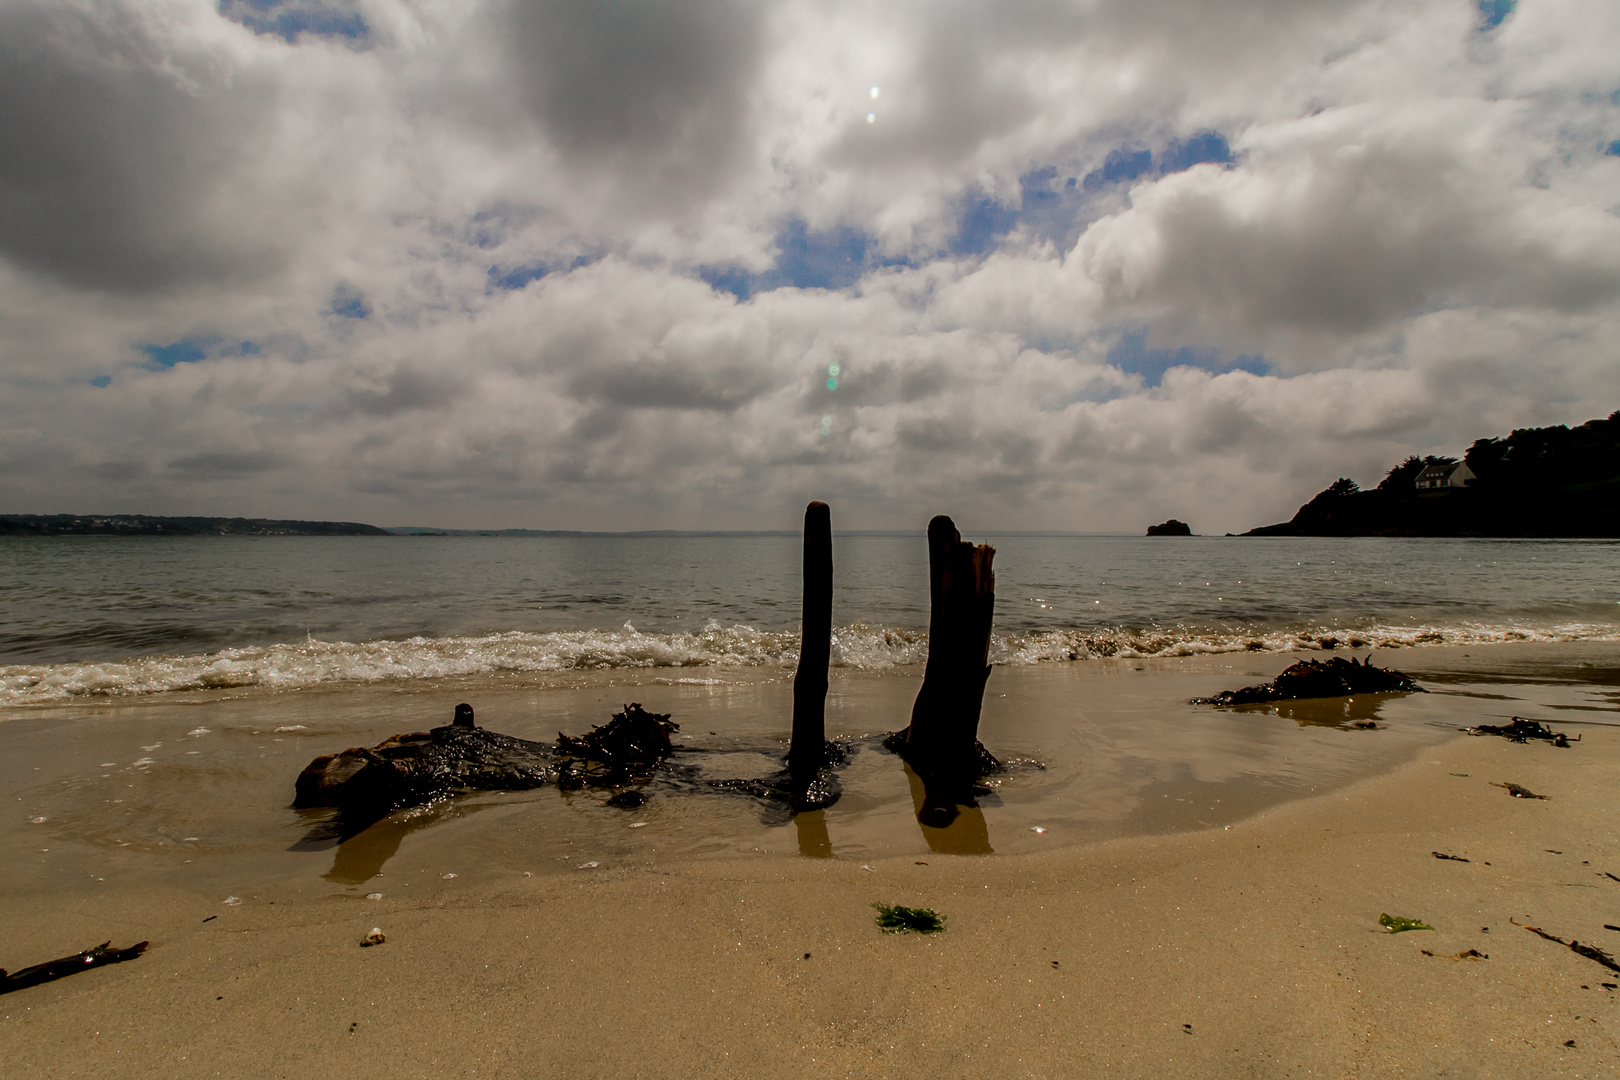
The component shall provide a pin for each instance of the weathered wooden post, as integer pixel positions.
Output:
(943, 739)
(808, 751)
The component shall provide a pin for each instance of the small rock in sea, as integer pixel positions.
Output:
(373, 896)
(1170, 528)
(376, 937)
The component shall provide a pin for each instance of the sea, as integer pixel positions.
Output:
(109, 618)
(159, 696)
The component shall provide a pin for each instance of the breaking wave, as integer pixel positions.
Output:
(859, 646)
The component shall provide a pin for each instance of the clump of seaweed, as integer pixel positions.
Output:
(1337, 677)
(1470, 954)
(895, 919)
(1520, 730)
(1395, 924)
(632, 743)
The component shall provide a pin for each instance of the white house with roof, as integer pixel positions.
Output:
(1441, 475)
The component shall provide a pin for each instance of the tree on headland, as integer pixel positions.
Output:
(1551, 481)
(1343, 486)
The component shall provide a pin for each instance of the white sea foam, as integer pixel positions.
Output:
(859, 646)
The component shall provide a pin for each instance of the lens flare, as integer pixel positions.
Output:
(833, 370)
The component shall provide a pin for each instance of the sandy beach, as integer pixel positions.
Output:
(1241, 947)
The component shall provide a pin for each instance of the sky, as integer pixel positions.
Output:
(627, 264)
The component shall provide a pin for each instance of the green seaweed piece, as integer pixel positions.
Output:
(1396, 924)
(894, 919)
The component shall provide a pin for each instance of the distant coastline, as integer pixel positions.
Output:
(1552, 483)
(145, 525)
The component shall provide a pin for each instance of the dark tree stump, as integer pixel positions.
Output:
(943, 739)
(808, 752)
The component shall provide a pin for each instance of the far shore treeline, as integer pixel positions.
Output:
(143, 525)
(1537, 482)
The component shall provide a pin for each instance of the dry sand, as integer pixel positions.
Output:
(1247, 950)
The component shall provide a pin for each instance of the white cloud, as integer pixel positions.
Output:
(1418, 233)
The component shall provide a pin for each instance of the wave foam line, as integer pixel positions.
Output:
(859, 646)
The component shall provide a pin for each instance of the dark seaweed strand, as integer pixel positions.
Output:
(1588, 951)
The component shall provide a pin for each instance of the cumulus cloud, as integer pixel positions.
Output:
(550, 263)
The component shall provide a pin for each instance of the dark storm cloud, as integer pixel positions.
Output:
(228, 463)
(656, 89)
(407, 389)
(660, 383)
(115, 142)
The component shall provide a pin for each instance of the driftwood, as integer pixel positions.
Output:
(1337, 677)
(1521, 730)
(942, 742)
(408, 770)
(808, 752)
(1517, 791)
(100, 956)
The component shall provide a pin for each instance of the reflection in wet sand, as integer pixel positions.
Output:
(814, 843)
(1360, 710)
(949, 816)
(361, 856)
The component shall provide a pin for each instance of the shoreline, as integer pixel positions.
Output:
(1262, 938)
(1260, 931)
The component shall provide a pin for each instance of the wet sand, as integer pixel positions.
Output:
(1086, 949)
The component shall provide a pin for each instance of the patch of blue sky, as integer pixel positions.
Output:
(101, 381)
(1050, 206)
(982, 223)
(1056, 208)
(1121, 166)
(508, 278)
(1614, 149)
(1206, 147)
(291, 19)
(1492, 12)
(189, 350)
(1131, 355)
(833, 258)
(350, 303)
(1129, 163)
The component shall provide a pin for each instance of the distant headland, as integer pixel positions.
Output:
(1536, 482)
(144, 525)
